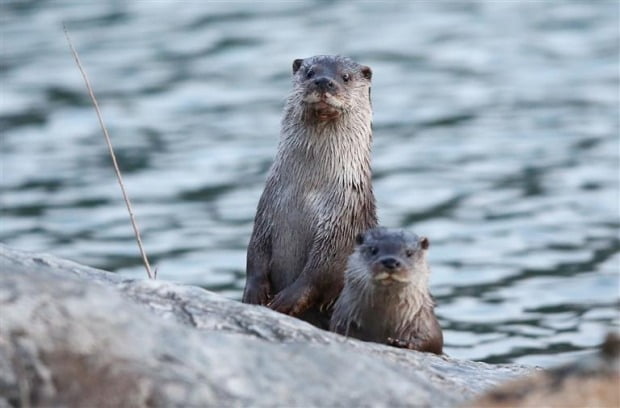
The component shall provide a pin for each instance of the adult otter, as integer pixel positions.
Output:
(318, 195)
(385, 297)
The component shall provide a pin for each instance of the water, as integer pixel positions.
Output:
(496, 135)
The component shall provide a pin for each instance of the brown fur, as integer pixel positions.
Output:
(397, 310)
(318, 194)
(589, 382)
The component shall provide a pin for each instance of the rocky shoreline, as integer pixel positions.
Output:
(71, 335)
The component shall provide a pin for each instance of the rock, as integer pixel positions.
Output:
(71, 335)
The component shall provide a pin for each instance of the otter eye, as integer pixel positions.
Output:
(346, 77)
(373, 250)
(309, 74)
(409, 253)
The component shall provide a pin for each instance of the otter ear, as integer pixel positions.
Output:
(366, 72)
(424, 243)
(359, 239)
(297, 64)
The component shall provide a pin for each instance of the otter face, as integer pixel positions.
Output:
(328, 83)
(394, 257)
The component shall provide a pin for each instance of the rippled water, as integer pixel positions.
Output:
(496, 135)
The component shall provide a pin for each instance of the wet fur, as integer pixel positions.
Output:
(318, 197)
(400, 314)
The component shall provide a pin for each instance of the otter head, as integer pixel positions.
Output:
(329, 86)
(394, 257)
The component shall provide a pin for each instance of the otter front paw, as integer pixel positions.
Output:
(257, 293)
(408, 344)
(291, 301)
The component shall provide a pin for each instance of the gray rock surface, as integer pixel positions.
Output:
(71, 335)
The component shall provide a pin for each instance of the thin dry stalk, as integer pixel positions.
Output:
(111, 150)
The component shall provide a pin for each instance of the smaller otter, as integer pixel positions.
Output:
(386, 297)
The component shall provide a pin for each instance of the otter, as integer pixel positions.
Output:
(318, 195)
(589, 381)
(386, 297)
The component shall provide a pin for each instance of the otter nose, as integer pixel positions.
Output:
(390, 263)
(324, 84)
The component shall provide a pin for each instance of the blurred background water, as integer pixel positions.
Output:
(496, 134)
